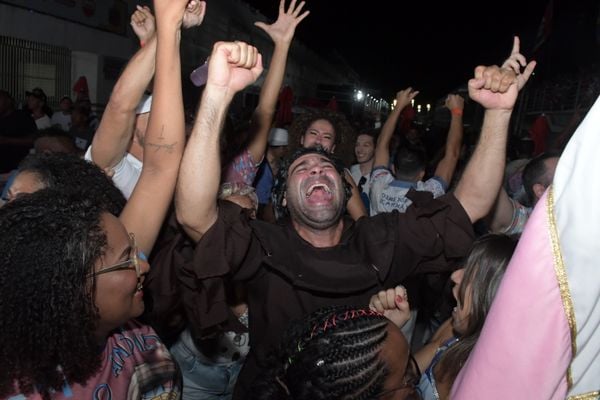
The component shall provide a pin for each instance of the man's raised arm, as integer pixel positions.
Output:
(496, 89)
(232, 67)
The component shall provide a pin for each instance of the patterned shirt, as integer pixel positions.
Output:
(135, 365)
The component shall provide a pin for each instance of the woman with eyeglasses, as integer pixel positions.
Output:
(340, 352)
(475, 287)
(71, 281)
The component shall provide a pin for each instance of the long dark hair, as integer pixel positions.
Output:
(484, 269)
(50, 242)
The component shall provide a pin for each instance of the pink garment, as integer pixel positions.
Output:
(525, 346)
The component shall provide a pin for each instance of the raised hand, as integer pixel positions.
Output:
(169, 13)
(393, 304)
(143, 24)
(454, 101)
(404, 97)
(516, 61)
(233, 65)
(494, 88)
(194, 13)
(283, 29)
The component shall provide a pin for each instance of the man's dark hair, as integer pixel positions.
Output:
(409, 161)
(280, 182)
(69, 172)
(536, 172)
(332, 353)
(49, 244)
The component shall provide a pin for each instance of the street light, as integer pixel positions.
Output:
(359, 95)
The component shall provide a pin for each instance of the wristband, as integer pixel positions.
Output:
(457, 111)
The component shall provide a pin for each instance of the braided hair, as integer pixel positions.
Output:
(331, 354)
(280, 182)
(50, 242)
(69, 172)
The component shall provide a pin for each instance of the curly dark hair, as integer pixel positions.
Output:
(280, 180)
(332, 353)
(345, 137)
(69, 172)
(50, 241)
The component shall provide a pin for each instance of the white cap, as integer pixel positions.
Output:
(278, 137)
(144, 105)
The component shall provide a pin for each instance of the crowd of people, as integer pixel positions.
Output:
(143, 259)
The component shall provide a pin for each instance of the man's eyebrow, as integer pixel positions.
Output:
(300, 164)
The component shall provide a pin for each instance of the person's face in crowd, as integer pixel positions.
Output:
(395, 355)
(550, 165)
(66, 105)
(413, 135)
(78, 118)
(462, 311)
(364, 149)
(34, 103)
(279, 151)
(141, 125)
(320, 132)
(315, 192)
(24, 182)
(118, 295)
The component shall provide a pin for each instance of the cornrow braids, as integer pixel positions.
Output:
(280, 182)
(50, 241)
(331, 354)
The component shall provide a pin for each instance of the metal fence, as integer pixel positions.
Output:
(25, 65)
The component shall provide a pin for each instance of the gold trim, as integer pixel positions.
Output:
(563, 281)
(585, 396)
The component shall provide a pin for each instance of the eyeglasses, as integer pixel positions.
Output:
(132, 263)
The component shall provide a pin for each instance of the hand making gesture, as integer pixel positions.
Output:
(283, 29)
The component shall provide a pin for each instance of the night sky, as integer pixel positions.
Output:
(433, 45)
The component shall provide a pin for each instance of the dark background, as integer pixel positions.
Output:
(434, 46)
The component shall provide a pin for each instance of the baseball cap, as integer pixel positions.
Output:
(278, 137)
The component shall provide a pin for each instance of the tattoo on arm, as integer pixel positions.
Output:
(157, 147)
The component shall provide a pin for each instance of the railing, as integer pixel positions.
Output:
(25, 64)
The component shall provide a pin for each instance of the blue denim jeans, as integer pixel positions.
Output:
(202, 378)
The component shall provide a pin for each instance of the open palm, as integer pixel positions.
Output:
(283, 29)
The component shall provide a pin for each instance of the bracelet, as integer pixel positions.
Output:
(457, 111)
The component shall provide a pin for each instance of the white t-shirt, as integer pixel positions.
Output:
(43, 123)
(357, 175)
(388, 194)
(62, 120)
(125, 174)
